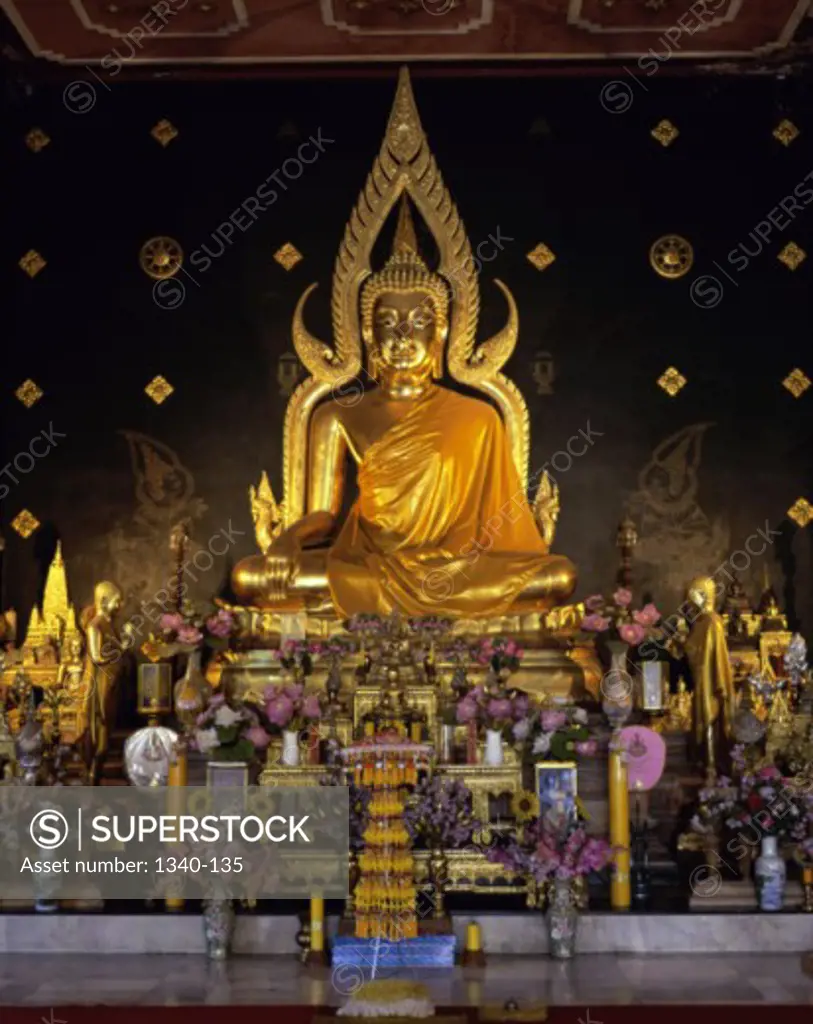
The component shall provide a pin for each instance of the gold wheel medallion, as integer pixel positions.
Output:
(671, 256)
(161, 257)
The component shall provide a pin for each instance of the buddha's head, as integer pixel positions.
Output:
(702, 592)
(405, 311)
(107, 597)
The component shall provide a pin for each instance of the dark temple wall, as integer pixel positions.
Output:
(527, 160)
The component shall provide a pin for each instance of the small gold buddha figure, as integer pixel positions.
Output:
(105, 649)
(441, 523)
(72, 680)
(707, 654)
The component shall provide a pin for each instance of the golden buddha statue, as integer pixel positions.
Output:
(710, 666)
(441, 523)
(104, 661)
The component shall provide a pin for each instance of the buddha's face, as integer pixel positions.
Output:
(404, 329)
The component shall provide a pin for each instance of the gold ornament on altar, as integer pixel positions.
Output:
(801, 512)
(409, 435)
(37, 140)
(161, 257)
(671, 381)
(665, 132)
(792, 255)
(28, 393)
(671, 256)
(797, 382)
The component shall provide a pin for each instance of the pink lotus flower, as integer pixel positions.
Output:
(770, 771)
(311, 707)
(189, 635)
(632, 633)
(257, 737)
(587, 748)
(520, 652)
(280, 710)
(499, 707)
(552, 720)
(623, 597)
(293, 690)
(467, 710)
(511, 647)
(594, 603)
(271, 692)
(522, 705)
(171, 621)
(647, 616)
(595, 623)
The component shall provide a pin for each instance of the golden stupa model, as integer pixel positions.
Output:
(441, 524)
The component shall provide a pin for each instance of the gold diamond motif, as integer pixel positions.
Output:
(797, 382)
(159, 389)
(792, 256)
(801, 512)
(164, 132)
(665, 132)
(288, 256)
(25, 523)
(785, 132)
(28, 393)
(672, 381)
(541, 256)
(32, 263)
(37, 140)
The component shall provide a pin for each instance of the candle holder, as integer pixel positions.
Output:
(154, 694)
(473, 954)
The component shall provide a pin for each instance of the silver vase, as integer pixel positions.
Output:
(562, 918)
(218, 927)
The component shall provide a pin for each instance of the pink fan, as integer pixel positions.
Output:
(646, 757)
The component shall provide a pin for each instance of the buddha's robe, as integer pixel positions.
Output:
(710, 667)
(441, 524)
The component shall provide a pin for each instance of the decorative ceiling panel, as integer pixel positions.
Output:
(289, 31)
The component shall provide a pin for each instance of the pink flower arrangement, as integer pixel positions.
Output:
(495, 709)
(229, 730)
(290, 708)
(617, 619)
(554, 847)
(189, 630)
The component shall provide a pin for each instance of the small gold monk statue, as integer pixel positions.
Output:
(72, 680)
(105, 648)
(707, 654)
(441, 523)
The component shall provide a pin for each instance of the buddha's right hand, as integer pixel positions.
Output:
(281, 566)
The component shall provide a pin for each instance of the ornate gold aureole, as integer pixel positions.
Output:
(404, 165)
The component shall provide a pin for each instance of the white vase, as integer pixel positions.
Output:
(770, 873)
(290, 748)
(493, 754)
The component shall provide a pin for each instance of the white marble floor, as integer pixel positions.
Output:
(597, 980)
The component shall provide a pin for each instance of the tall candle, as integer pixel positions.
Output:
(619, 831)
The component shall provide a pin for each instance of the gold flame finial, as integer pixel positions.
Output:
(405, 244)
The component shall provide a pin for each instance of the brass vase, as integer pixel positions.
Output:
(191, 692)
(438, 866)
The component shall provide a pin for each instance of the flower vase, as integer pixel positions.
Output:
(446, 745)
(191, 692)
(770, 874)
(562, 918)
(616, 684)
(290, 748)
(493, 751)
(438, 874)
(218, 928)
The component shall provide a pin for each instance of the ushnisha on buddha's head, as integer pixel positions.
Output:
(405, 312)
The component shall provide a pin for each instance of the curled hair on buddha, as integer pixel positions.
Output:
(406, 271)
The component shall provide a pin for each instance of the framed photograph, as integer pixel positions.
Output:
(654, 682)
(557, 786)
(230, 779)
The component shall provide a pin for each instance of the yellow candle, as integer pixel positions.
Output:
(415, 732)
(178, 776)
(317, 924)
(474, 940)
(807, 876)
(369, 728)
(619, 831)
